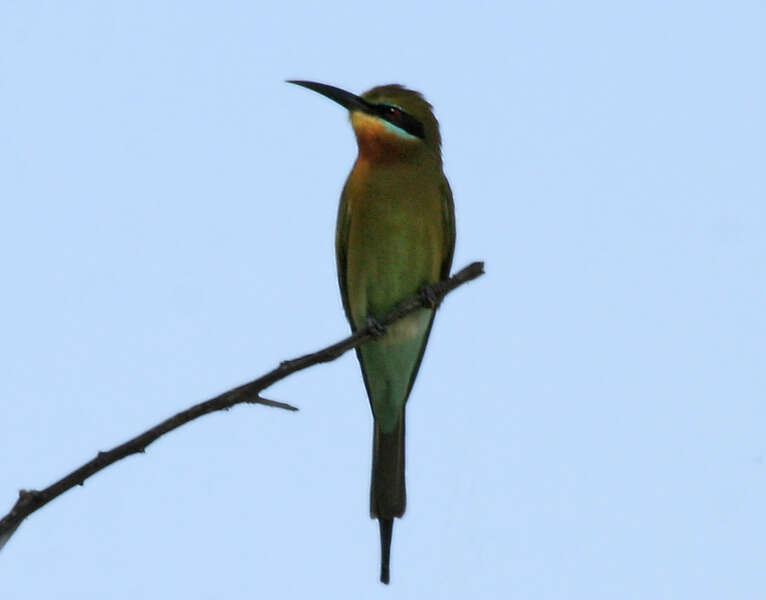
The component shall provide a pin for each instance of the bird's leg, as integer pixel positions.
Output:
(374, 327)
(429, 297)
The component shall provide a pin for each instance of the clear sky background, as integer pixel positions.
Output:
(589, 421)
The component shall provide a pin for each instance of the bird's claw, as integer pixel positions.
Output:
(429, 297)
(374, 327)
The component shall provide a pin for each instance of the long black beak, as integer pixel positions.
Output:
(346, 99)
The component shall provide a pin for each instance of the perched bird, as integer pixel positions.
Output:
(395, 233)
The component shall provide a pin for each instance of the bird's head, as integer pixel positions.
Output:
(390, 121)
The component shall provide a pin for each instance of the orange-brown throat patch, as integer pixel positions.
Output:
(377, 143)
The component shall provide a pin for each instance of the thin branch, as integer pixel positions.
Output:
(31, 500)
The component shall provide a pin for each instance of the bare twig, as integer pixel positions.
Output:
(31, 500)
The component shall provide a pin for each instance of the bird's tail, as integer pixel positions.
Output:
(388, 497)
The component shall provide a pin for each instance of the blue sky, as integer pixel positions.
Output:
(589, 419)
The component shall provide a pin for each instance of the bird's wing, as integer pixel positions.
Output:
(448, 215)
(341, 249)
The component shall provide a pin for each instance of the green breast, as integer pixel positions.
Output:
(395, 239)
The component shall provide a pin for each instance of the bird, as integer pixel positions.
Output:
(395, 234)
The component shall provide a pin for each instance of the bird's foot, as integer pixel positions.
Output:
(374, 327)
(429, 297)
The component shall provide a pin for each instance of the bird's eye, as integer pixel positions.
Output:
(401, 119)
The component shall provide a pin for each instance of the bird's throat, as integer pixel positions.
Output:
(379, 142)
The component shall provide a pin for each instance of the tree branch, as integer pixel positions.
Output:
(31, 500)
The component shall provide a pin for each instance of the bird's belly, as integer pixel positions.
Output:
(391, 259)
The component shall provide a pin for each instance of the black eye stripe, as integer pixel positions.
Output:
(396, 116)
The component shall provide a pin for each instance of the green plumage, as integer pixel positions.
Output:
(395, 233)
